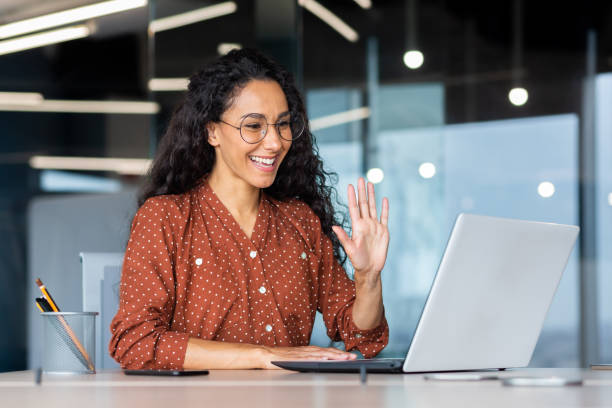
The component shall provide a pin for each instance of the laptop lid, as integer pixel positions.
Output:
(491, 294)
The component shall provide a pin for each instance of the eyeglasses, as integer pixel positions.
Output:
(254, 127)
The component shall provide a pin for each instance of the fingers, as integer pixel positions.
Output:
(310, 353)
(363, 200)
(352, 202)
(384, 213)
(341, 234)
(372, 201)
(328, 353)
(364, 205)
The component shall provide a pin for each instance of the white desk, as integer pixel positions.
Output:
(256, 388)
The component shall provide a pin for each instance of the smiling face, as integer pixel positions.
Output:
(237, 161)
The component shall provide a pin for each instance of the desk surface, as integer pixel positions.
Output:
(257, 388)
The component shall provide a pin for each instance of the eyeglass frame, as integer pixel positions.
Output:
(239, 128)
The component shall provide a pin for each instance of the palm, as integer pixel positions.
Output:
(367, 246)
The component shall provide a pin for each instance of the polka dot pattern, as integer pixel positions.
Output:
(190, 271)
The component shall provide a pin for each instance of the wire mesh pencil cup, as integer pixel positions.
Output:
(69, 342)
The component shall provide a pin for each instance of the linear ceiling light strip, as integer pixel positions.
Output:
(339, 118)
(194, 16)
(364, 4)
(168, 84)
(42, 39)
(68, 16)
(21, 98)
(68, 106)
(330, 18)
(118, 165)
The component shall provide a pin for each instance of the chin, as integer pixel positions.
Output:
(263, 182)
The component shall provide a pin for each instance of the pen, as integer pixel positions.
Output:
(43, 305)
(47, 295)
(51, 303)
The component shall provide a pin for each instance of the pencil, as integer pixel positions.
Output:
(47, 295)
(67, 327)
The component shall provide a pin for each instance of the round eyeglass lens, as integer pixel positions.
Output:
(253, 128)
(297, 126)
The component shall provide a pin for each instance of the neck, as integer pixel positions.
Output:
(240, 198)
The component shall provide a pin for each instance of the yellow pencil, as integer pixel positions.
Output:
(61, 319)
(47, 295)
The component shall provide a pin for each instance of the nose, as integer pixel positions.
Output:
(272, 141)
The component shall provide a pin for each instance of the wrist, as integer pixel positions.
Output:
(367, 281)
(259, 356)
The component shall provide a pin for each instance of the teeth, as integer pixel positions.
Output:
(261, 160)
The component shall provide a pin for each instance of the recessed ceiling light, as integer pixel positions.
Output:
(413, 59)
(546, 189)
(375, 175)
(518, 96)
(427, 170)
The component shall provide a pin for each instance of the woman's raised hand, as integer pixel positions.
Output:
(368, 244)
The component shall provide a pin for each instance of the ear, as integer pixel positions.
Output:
(213, 137)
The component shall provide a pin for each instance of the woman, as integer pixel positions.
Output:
(232, 250)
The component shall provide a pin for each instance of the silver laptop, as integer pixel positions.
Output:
(488, 301)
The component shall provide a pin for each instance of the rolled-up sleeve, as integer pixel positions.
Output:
(336, 298)
(140, 331)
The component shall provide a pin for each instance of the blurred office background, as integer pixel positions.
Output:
(501, 108)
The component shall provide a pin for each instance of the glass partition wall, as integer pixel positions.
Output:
(448, 107)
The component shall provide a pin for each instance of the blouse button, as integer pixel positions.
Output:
(198, 261)
(262, 290)
(303, 256)
(268, 328)
(253, 254)
(358, 335)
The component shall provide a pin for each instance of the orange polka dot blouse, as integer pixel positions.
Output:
(190, 271)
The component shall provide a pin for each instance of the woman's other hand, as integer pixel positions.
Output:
(268, 354)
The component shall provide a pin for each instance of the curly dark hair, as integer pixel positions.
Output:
(184, 155)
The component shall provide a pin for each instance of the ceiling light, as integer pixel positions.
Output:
(194, 16)
(364, 4)
(339, 118)
(375, 175)
(413, 59)
(136, 167)
(427, 170)
(224, 48)
(330, 18)
(42, 39)
(546, 189)
(68, 16)
(518, 96)
(71, 106)
(168, 84)
(22, 98)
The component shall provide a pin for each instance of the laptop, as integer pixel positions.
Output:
(487, 303)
